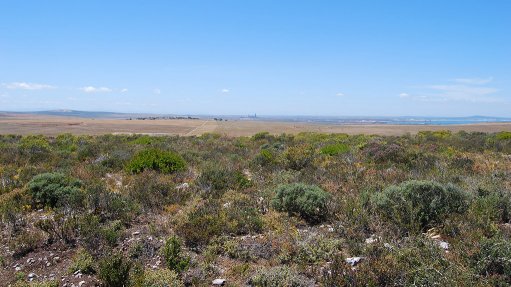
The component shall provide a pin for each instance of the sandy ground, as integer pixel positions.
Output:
(54, 125)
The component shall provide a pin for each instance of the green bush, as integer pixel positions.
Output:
(82, 261)
(265, 158)
(335, 149)
(160, 278)
(308, 201)
(49, 189)
(158, 160)
(172, 253)
(240, 215)
(503, 136)
(417, 205)
(217, 180)
(494, 258)
(201, 225)
(281, 276)
(299, 157)
(114, 271)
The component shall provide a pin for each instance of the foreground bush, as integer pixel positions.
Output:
(172, 254)
(160, 278)
(494, 259)
(417, 261)
(417, 205)
(279, 277)
(308, 201)
(49, 189)
(158, 160)
(114, 271)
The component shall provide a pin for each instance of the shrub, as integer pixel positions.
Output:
(153, 191)
(261, 136)
(59, 227)
(383, 152)
(281, 276)
(335, 149)
(114, 271)
(240, 215)
(36, 147)
(217, 180)
(265, 158)
(160, 278)
(49, 189)
(82, 261)
(416, 205)
(26, 242)
(172, 253)
(299, 157)
(417, 261)
(158, 160)
(494, 258)
(308, 201)
(201, 225)
(503, 136)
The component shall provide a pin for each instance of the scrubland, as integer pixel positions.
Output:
(310, 209)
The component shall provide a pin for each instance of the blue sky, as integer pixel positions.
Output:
(375, 58)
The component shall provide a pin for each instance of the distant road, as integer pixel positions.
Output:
(53, 125)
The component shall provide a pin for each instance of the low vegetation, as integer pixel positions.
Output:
(431, 209)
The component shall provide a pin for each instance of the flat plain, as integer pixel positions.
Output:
(25, 124)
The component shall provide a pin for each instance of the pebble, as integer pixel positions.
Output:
(81, 283)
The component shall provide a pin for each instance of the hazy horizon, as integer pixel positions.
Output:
(327, 58)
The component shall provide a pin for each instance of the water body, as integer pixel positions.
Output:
(383, 120)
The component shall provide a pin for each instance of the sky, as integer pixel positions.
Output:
(318, 58)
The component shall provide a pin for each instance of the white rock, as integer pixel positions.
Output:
(219, 282)
(31, 275)
(444, 245)
(17, 268)
(81, 283)
(353, 261)
(135, 233)
(183, 186)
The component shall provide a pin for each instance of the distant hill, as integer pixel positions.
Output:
(80, 114)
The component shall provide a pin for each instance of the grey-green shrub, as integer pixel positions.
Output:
(308, 201)
(417, 205)
(49, 189)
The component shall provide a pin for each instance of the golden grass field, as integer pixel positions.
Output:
(24, 124)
